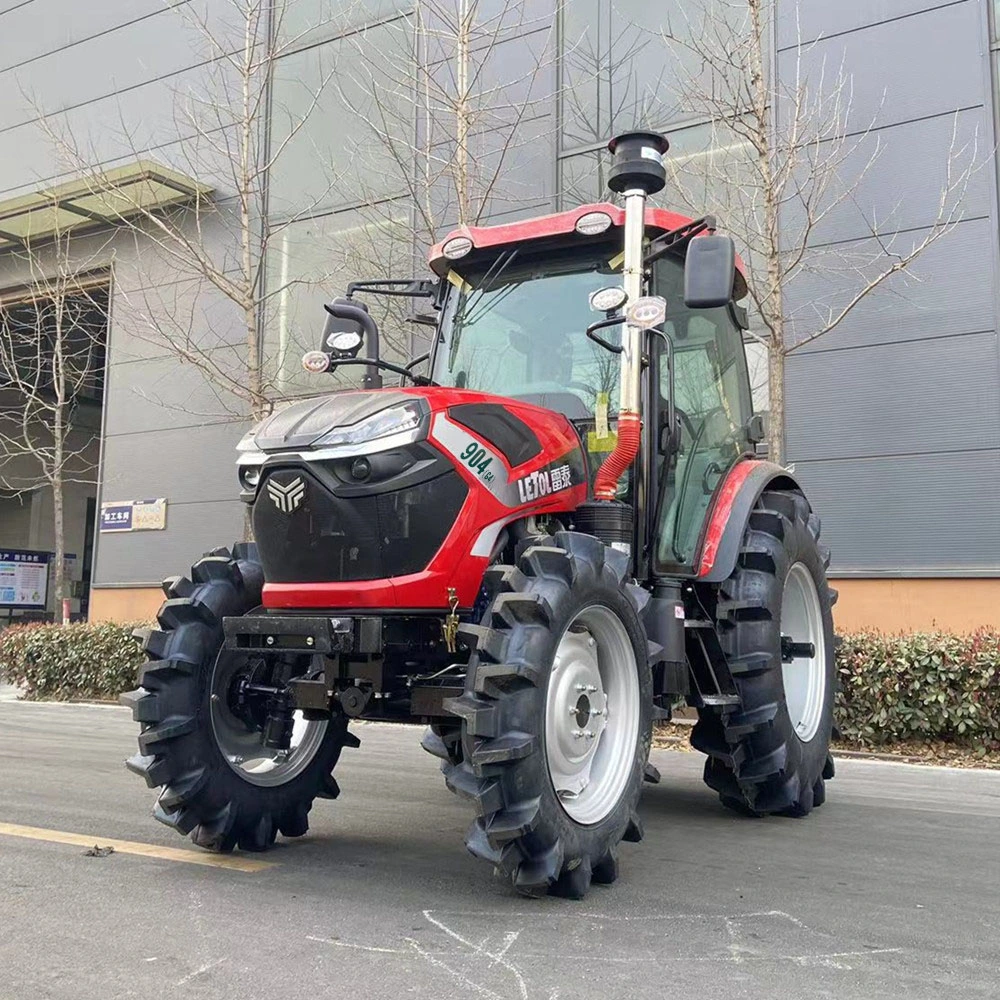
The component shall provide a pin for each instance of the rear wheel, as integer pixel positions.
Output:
(219, 783)
(775, 624)
(556, 718)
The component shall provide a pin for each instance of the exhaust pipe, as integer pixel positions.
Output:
(637, 172)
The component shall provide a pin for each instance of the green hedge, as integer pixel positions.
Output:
(926, 686)
(69, 662)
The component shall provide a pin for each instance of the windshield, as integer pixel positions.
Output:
(518, 329)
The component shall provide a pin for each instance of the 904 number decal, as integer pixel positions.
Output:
(476, 458)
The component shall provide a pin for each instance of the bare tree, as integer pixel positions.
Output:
(52, 352)
(451, 110)
(779, 156)
(216, 245)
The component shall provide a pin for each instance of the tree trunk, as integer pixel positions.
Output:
(776, 412)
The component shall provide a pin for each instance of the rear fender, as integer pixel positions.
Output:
(730, 514)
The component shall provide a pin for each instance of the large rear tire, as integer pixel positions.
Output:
(556, 717)
(771, 755)
(218, 784)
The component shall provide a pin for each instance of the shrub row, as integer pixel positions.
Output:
(925, 686)
(929, 686)
(70, 662)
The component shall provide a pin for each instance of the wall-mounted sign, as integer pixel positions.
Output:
(24, 578)
(134, 515)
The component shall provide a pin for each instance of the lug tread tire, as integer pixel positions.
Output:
(521, 828)
(201, 794)
(756, 763)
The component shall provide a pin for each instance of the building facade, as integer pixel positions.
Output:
(893, 419)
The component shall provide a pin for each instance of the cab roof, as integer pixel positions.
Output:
(658, 220)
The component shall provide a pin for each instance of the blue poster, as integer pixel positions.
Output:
(116, 516)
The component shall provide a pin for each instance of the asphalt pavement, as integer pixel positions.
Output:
(892, 889)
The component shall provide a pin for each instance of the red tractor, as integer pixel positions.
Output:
(538, 549)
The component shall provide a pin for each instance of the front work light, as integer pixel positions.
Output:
(457, 247)
(593, 223)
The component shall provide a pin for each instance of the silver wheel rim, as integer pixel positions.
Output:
(592, 715)
(804, 679)
(243, 749)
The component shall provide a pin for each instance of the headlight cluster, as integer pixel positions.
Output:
(395, 420)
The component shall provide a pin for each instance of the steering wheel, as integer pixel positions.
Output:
(686, 478)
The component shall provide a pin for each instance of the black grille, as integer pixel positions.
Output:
(327, 538)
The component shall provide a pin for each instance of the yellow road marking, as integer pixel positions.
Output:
(237, 864)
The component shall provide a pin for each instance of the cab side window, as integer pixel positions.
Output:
(712, 399)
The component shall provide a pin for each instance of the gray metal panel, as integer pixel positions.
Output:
(190, 315)
(879, 183)
(163, 392)
(50, 25)
(71, 77)
(113, 131)
(900, 70)
(140, 263)
(146, 557)
(807, 20)
(949, 290)
(183, 464)
(925, 512)
(927, 396)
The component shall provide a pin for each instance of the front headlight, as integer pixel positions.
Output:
(394, 420)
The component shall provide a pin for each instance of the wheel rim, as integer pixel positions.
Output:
(243, 749)
(592, 715)
(804, 678)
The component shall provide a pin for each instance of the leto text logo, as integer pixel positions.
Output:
(287, 497)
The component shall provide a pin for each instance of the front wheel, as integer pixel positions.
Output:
(556, 718)
(220, 784)
(771, 755)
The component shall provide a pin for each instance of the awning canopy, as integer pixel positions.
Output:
(98, 200)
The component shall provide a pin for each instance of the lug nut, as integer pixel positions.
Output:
(578, 734)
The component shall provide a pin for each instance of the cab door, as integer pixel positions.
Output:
(713, 405)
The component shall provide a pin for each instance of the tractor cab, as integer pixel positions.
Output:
(517, 313)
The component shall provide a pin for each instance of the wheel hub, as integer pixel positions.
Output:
(592, 713)
(576, 687)
(264, 742)
(803, 668)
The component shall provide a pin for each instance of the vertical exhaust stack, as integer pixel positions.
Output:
(637, 172)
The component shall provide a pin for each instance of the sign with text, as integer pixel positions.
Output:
(24, 578)
(134, 515)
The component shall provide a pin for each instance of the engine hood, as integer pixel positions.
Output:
(299, 425)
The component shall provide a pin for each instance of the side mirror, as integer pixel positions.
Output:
(343, 332)
(709, 272)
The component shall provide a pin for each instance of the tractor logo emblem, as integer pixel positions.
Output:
(287, 497)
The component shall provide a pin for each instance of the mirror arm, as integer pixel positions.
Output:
(409, 288)
(602, 324)
(678, 238)
(387, 365)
